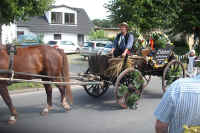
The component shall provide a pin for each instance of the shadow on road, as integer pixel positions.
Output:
(151, 95)
(82, 102)
(104, 103)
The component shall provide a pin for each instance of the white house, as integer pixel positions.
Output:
(59, 23)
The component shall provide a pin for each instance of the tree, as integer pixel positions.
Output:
(177, 16)
(188, 18)
(14, 10)
(103, 23)
(94, 35)
(144, 14)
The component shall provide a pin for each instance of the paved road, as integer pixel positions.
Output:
(89, 115)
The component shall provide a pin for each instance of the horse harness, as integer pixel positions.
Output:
(11, 51)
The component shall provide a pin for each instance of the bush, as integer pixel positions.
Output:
(139, 41)
(111, 39)
(99, 34)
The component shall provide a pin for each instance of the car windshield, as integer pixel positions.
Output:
(66, 43)
(52, 42)
(108, 46)
(100, 45)
(88, 44)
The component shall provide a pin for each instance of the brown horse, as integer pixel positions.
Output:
(43, 60)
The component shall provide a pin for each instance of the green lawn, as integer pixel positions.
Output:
(25, 85)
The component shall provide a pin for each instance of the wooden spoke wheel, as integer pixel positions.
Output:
(173, 71)
(147, 79)
(96, 90)
(128, 88)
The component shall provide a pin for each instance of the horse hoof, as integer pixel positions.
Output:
(67, 108)
(44, 113)
(12, 120)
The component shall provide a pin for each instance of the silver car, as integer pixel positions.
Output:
(107, 49)
(92, 47)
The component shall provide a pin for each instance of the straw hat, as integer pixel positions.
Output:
(123, 24)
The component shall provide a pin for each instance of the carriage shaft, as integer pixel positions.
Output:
(55, 83)
(34, 75)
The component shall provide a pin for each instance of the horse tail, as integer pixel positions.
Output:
(66, 76)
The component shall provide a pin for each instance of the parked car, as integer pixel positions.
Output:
(107, 49)
(28, 40)
(91, 47)
(53, 44)
(67, 46)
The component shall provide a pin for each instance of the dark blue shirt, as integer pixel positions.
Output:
(122, 43)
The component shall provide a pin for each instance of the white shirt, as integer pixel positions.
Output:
(191, 69)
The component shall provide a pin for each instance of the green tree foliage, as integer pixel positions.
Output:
(99, 34)
(14, 10)
(188, 17)
(144, 14)
(103, 23)
(174, 15)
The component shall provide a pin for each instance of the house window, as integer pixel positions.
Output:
(69, 18)
(57, 36)
(56, 17)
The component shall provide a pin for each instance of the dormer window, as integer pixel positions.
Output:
(70, 18)
(56, 17)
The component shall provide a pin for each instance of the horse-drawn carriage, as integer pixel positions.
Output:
(131, 75)
(128, 75)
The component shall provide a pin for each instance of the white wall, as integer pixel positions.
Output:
(50, 36)
(71, 37)
(9, 33)
(65, 36)
(86, 38)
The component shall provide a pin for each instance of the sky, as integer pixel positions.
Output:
(94, 8)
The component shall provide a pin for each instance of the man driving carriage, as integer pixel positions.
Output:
(123, 41)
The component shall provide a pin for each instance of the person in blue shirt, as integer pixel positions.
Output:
(123, 42)
(179, 106)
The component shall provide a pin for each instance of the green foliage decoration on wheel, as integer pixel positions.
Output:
(131, 91)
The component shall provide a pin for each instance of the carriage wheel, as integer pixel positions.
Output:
(96, 90)
(128, 88)
(173, 71)
(147, 79)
